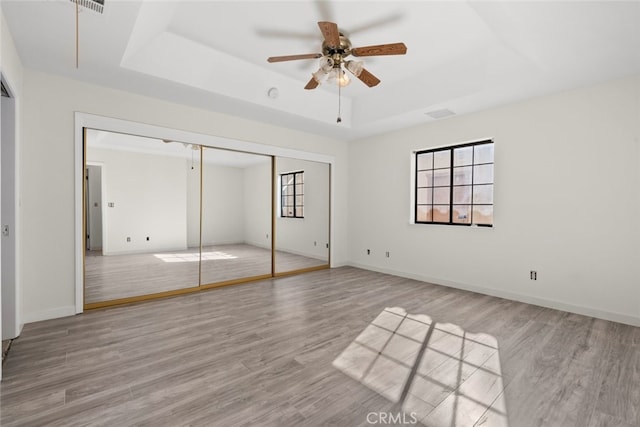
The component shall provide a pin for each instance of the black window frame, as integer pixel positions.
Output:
(298, 209)
(451, 184)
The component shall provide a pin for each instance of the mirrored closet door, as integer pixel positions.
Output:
(164, 217)
(236, 216)
(302, 215)
(141, 210)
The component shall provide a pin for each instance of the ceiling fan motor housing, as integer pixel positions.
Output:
(337, 53)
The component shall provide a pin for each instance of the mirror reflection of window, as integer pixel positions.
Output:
(302, 215)
(164, 217)
(292, 195)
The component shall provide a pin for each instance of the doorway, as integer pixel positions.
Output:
(10, 321)
(93, 209)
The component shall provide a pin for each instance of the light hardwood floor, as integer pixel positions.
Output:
(120, 276)
(332, 347)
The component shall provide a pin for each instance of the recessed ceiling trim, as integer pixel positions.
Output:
(440, 114)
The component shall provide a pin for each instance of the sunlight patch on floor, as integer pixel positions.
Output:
(194, 256)
(438, 372)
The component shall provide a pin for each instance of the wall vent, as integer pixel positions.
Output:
(94, 5)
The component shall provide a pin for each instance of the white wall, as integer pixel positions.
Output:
(48, 173)
(236, 205)
(149, 200)
(567, 203)
(306, 236)
(222, 204)
(257, 202)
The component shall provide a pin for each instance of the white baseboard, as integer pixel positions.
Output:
(58, 312)
(302, 253)
(52, 313)
(261, 245)
(542, 302)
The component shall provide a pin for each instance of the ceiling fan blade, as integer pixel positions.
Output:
(330, 33)
(294, 57)
(368, 78)
(381, 49)
(324, 10)
(382, 21)
(312, 84)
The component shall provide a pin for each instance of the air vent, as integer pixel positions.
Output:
(95, 5)
(440, 114)
(5, 92)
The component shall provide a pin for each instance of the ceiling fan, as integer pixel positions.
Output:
(335, 48)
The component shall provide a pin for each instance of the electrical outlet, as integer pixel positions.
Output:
(533, 275)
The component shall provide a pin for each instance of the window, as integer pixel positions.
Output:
(454, 185)
(292, 195)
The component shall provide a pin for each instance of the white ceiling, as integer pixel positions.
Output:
(139, 144)
(462, 56)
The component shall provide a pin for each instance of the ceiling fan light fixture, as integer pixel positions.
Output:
(339, 77)
(319, 75)
(326, 64)
(355, 67)
(343, 78)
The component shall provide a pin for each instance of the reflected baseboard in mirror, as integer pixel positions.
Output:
(288, 261)
(160, 210)
(115, 277)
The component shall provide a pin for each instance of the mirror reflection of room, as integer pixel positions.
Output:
(302, 215)
(141, 207)
(165, 216)
(236, 216)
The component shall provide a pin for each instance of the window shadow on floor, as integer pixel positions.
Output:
(438, 373)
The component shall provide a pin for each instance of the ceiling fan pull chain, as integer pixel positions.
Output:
(77, 33)
(339, 119)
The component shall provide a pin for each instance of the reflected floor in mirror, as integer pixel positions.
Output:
(342, 347)
(121, 276)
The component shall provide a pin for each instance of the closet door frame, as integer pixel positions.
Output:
(86, 120)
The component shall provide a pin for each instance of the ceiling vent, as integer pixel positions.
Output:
(440, 114)
(94, 5)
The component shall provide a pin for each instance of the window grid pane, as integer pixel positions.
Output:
(292, 195)
(454, 185)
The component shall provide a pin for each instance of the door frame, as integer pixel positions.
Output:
(14, 328)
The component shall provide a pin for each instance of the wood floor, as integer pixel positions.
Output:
(120, 276)
(343, 347)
